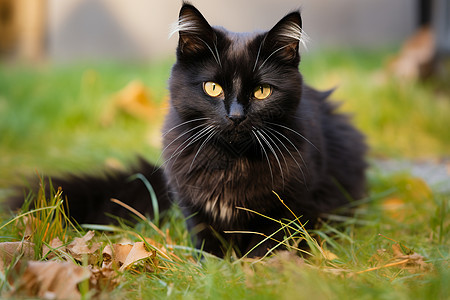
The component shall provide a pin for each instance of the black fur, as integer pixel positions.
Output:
(89, 196)
(292, 142)
(234, 150)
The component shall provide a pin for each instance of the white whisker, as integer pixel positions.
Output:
(212, 52)
(292, 130)
(265, 154)
(259, 52)
(179, 136)
(211, 134)
(273, 152)
(292, 156)
(217, 53)
(192, 139)
(295, 32)
(271, 55)
(292, 144)
(191, 27)
(183, 24)
(184, 123)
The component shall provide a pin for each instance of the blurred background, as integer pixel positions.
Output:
(83, 83)
(92, 29)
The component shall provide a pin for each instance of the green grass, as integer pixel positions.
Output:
(400, 118)
(51, 122)
(51, 118)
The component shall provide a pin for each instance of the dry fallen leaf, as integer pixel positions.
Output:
(138, 252)
(52, 280)
(104, 277)
(136, 100)
(55, 246)
(124, 255)
(26, 225)
(329, 255)
(10, 250)
(394, 207)
(79, 248)
(116, 254)
(285, 257)
(413, 263)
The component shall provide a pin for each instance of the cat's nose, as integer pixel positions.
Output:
(236, 114)
(236, 119)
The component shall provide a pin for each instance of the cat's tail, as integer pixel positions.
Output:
(89, 197)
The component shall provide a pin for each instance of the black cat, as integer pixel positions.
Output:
(241, 125)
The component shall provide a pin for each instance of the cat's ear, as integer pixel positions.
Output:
(284, 38)
(195, 34)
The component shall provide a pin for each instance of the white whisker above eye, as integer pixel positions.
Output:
(183, 25)
(295, 32)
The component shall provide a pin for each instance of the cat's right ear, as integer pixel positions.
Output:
(195, 34)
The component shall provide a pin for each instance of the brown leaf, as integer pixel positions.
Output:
(52, 280)
(79, 248)
(104, 277)
(124, 255)
(397, 251)
(285, 257)
(414, 262)
(394, 207)
(115, 255)
(329, 255)
(55, 245)
(26, 225)
(107, 255)
(136, 100)
(380, 257)
(10, 250)
(138, 252)
(121, 252)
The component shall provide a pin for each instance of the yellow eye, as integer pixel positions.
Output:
(212, 89)
(262, 91)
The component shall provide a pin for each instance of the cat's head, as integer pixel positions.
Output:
(236, 81)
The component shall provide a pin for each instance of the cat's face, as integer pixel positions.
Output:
(235, 83)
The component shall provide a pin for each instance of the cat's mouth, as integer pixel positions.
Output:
(237, 141)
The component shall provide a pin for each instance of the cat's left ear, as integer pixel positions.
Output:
(196, 34)
(284, 38)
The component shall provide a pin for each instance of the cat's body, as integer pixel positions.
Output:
(232, 151)
(243, 125)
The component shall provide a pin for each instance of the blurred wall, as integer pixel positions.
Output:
(111, 29)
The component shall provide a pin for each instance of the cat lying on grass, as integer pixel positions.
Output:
(241, 125)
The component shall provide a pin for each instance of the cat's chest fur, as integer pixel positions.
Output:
(214, 181)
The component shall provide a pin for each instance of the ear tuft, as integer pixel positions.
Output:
(285, 37)
(194, 31)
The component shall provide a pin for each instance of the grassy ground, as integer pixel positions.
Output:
(57, 119)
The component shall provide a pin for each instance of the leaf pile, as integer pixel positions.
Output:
(400, 257)
(71, 264)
